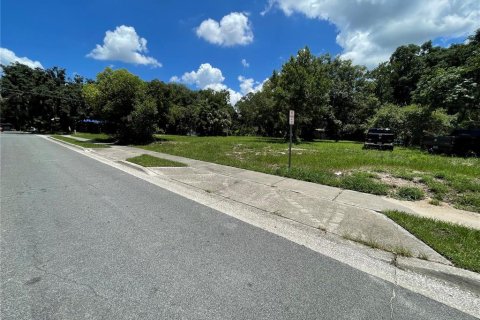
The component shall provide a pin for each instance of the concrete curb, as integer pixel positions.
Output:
(70, 144)
(462, 278)
(122, 162)
(75, 138)
(137, 167)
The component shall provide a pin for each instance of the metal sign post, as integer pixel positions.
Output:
(291, 121)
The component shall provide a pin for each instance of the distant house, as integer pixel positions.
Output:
(90, 125)
(5, 126)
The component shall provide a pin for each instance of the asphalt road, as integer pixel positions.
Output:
(82, 240)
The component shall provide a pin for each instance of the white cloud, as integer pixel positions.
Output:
(124, 44)
(205, 77)
(209, 77)
(248, 85)
(370, 30)
(175, 79)
(8, 56)
(233, 29)
(234, 96)
(245, 63)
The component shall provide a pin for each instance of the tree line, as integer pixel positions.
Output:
(421, 90)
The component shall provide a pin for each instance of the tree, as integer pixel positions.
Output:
(213, 113)
(352, 98)
(144, 121)
(438, 89)
(113, 97)
(181, 119)
(73, 107)
(42, 98)
(179, 101)
(91, 96)
(411, 123)
(258, 114)
(382, 83)
(159, 92)
(407, 67)
(303, 85)
(17, 85)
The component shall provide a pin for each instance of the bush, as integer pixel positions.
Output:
(410, 193)
(141, 123)
(388, 116)
(411, 123)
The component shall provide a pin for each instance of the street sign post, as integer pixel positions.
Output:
(291, 121)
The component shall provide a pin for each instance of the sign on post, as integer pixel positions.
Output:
(291, 121)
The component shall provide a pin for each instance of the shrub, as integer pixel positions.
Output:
(411, 123)
(141, 123)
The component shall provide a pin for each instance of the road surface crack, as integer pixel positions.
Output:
(65, 279)
(335, 198)
(395, 283)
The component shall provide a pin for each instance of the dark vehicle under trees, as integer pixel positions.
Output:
(461, 142)
(379, 138)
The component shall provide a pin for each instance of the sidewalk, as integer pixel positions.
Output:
(345, 213)
(337, 195)
(349, 214)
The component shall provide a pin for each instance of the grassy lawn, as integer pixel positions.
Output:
(404, 173)
(459, 244)
(94, 137)
(146, 160)
(84, 144)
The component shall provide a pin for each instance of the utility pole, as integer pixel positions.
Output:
(291, 121)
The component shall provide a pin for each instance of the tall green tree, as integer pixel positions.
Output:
(17, 85)
(179, 101)
(303, 85)
(258, 114)
(159, 92)
(213, 113)
(381, 79)
(407, 67)
(113, 97)
(351, 97)
(42, 98)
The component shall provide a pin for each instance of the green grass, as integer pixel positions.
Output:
(84, 144)
(94, 137)
(410, 193)
(468, 201)
(146, 160)
(401, 251)
(438, 187)
(340, 164)
(458, 244)
(364, 182)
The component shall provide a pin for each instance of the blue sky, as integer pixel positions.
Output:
(180, 37)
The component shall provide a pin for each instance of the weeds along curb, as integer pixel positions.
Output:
(70, 144)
